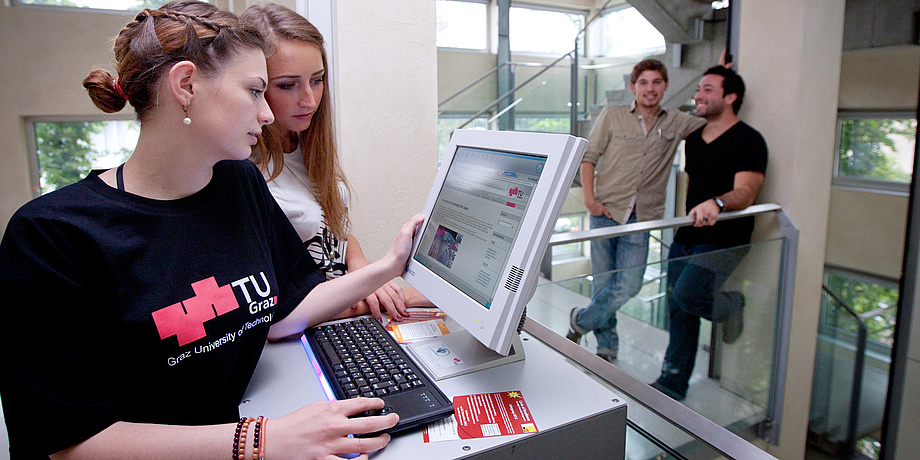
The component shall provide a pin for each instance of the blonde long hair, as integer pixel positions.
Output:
(317, 143)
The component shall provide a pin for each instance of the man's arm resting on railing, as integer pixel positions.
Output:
(747, 186)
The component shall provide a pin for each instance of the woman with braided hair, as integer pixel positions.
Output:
(149, 289)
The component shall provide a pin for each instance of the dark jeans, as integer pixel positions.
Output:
(694, 292)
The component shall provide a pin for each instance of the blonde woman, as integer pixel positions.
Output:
(297, 153)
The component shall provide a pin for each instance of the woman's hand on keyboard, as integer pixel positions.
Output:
(322, 429)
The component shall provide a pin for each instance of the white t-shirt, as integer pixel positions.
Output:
(293, 191)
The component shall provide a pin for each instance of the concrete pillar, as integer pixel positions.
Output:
(384, 83)
(789, 54)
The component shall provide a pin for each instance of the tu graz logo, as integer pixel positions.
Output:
(186, 319)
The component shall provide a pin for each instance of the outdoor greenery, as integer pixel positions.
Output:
(869, 148)
(862, 296)
(65, 152)
(543, 124)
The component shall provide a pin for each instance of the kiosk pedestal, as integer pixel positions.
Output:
(575, 416)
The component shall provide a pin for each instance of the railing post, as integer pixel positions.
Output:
(859, 362)
(573, 93)
(505, 73)
(790, 234)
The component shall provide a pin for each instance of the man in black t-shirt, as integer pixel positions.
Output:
(726, 161)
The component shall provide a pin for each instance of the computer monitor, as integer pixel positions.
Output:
(488, 219)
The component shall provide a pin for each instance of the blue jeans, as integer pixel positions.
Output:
(628, 255)
(694, 292)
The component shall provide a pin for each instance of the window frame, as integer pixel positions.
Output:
(595, 39)
(77, 9)
(583, 13)
(32, 147)
(488, 21)
(862, 183)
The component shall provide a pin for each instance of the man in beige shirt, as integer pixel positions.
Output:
(624, 174)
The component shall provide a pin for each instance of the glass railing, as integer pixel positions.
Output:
(735, 389)
(850, 379)
(540, 102)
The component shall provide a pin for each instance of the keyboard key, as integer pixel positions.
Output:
(384, 384)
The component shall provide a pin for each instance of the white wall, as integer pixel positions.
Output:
(46, 55)
(385, 88)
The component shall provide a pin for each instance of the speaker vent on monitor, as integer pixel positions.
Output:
(514, 279)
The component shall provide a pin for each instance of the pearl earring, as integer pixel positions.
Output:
(186, 120)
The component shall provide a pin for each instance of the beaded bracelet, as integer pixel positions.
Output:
(256, 437)
(239, 439)
(264, 437)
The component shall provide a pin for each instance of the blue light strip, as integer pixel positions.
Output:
(330, 396)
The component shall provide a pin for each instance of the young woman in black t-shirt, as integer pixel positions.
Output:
(145, 293)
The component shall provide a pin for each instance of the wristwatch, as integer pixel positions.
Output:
(719, 203)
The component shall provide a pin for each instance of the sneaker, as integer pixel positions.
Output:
(608, 355)
(574, 331)
(734, 323)
(667, 391)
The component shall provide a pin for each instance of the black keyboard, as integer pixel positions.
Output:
(360, 358)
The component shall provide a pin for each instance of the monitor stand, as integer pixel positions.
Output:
(459, 353)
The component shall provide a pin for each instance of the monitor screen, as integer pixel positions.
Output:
(488, 219)
(476, 218)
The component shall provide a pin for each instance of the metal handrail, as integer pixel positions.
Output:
(638, 227)
(858, 363)
(490, 72)
(512, 90)
(770, 428)
(481, 78)
(573, 53)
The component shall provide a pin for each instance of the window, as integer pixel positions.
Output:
(542, 123)
(863, 294)
(565, 224)
(543, 31)
(65, 151)
(462, 25)
(110, 5)
(875, 150)
(624, 32)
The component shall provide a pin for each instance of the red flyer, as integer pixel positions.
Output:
(492, 414)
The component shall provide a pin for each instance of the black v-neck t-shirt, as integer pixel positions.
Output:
(711, 169)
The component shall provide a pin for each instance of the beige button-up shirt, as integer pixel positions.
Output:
(631, 165)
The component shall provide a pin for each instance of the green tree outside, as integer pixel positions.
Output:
(65, 152)
(862, 296)
(866, 145)
(543, 125)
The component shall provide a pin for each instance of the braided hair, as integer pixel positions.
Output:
(181, 30)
